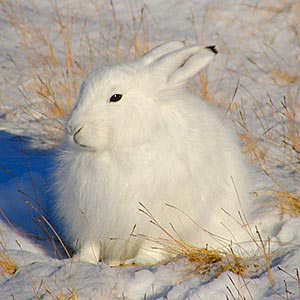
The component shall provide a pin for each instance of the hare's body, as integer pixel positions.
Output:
(158, 145)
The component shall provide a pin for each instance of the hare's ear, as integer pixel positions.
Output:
(182, 64)
(160, 51)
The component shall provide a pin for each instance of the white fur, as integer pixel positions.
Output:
(159, 144)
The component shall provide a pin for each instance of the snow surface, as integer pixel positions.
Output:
(254, 39)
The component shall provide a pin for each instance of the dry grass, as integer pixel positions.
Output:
(269, 130)
(204, 261)
(41, 289)
(51, 79)
(51, 72)
(70, 294)
(7, 265)
(218, 261)
(276, 151)
(211, 263)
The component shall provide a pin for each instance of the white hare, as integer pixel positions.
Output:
(137, 136)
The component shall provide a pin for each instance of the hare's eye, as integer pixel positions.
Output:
(115, 97)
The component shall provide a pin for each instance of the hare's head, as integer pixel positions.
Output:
(120, 105)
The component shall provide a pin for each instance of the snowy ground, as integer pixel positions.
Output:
(259, 52)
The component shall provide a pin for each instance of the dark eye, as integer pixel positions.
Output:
(115, 97)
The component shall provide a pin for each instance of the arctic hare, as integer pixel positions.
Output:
(136, 135)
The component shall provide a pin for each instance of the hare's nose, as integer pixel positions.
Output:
(71, 130)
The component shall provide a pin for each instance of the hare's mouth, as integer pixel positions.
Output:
(76, 140)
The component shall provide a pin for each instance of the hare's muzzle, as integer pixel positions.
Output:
(74, 134)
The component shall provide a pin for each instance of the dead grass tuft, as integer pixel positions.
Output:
(51, 71)
(70, 294)
(279, 74)
(50, 75)
(218, 261)
(275, 147)
(204, 261)
(7, 266)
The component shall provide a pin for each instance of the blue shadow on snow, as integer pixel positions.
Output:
(25, 182)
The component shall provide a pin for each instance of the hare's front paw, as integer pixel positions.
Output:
(90, 252)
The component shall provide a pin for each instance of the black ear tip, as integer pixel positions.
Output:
(213, 49)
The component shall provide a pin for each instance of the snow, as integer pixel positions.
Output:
(255, 39)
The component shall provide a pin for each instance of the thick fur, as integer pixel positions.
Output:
(159, 144)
